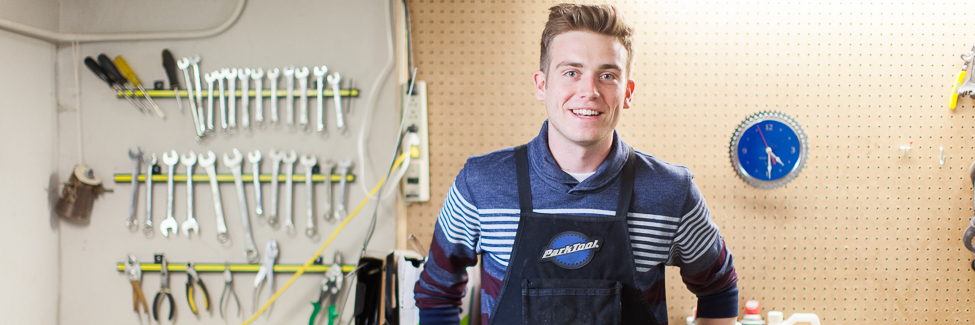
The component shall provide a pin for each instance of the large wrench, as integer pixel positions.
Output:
(289, 77)
(320, 76)
(333, 80)
(255, 159)
(245, 80)
(190, 224)
(302, 75)
(344, 166)
(250, 248)
(231, 75)
(208, 163)
(309, 162)
(170, 159)
(210, 78)
(184, 65)
(147, 228)
(326, 169)
(258, 76)
(289, 160)
(223, 98)
(276, 158)
(195, 61)
(272, 76)
(131, 222)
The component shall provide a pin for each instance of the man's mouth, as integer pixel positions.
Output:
(585, 112)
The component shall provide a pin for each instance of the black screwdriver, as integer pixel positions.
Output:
(169, 63)
(100, 72)
(109, 67)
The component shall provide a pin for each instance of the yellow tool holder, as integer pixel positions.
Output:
(253, 92)
(246, 268)
(125, 178)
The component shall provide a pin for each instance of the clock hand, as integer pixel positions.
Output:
(768, 163)
(778, 160)
(767, 148)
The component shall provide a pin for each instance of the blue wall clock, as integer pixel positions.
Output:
(768, 149)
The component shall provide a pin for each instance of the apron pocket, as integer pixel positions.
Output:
(571, 301)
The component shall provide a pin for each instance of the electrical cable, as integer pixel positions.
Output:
(76, 58)
(371, 105)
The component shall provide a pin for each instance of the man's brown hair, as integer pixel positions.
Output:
(601, 19)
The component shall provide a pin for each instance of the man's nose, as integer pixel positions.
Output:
(587, 87)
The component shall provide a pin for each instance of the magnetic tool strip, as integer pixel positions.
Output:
(251, 93)
(247, 268)
(123, 178)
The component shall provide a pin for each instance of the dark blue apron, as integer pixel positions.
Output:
(567, 269)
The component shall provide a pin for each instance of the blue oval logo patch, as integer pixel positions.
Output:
(571, 250)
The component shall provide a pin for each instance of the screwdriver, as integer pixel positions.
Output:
(97, 69)
(109, 67)
(169, 63)
(129, 74)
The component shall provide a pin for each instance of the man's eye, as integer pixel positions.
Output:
(571, 73)
(609, 76)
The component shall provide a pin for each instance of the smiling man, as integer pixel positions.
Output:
(575, 227)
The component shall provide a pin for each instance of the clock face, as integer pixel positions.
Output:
(768, 150)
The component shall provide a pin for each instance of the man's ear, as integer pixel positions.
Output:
(630, 86)
(539, 78)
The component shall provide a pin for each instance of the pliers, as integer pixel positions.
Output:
(331, 285)
(228, 286)
(163, 289)
(267, 270)
(134, 271)
(192, 276)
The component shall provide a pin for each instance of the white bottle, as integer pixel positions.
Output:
(753, 315)
(775, 318)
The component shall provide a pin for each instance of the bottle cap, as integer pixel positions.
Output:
(752, 307)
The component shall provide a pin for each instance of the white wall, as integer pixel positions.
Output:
(29, 237)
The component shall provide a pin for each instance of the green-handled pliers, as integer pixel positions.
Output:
(331, 286)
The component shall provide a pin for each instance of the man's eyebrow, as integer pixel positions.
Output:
(570, 64)
(607, 66)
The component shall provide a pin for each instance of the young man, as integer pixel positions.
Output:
(576, 227)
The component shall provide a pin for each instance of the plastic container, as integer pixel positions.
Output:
(753, 314)
(775, 318)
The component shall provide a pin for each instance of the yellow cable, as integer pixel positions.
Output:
(322, 249)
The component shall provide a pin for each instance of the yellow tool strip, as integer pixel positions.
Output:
(266, 93)
(125, 178)
(253, 268)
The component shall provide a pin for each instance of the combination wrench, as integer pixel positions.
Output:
(309, 161)
(326, 169)
(320, 77)
(344, 166)
(147, 228)
(272, 76)
(258, 76)
(302, 75)
(210, 78)
(245, 81)
(195, 61)
(190, 224)
(276, 158)
(170, 158)
(223, 97)
(231, 75)
(333, 80)
(289, 99)
(132, 223)
(250, 248)
(255, 159)
(208, 162)
(289, 160)
(184, 65)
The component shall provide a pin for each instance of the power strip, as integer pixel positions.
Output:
(416, 182)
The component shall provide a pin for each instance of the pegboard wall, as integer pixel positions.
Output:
(865, 235)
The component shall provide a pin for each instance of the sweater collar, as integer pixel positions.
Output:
(543, 164)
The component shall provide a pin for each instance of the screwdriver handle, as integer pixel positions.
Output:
(127, 71)
(169, 63)
(110, 69)
(98, 71)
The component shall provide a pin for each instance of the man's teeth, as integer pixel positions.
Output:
(585, 112)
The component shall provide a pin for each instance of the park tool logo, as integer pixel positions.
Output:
(571, 250)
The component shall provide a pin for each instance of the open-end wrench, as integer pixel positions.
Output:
(250, 248)
(210, 78)
(245, 81)
(258, 76)
(255, 159)
(190, 224)
(302, 75)
(195, 61)
(326, 169)
(289, 160)
(132, 223)
(344, 166)
(320, 76)
(231, 75)
(272, 76)
(309, 162)
(289, 100)
(208, 162)
(276, 158)
(184, 65)
(223, 97)
(147, 227)
(170, 158)
(334, 80)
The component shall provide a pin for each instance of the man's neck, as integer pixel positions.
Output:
(574, 158)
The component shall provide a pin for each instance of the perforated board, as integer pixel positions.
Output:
(865, 235)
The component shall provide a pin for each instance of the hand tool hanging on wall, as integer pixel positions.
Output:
(191, 277)
(169, 64)
(320, 77)
(229, 292)
(327, 205)
(276, 158)
(289, 99)
(150, 166)
(100, 72)
(195, 61)
(272, 77)
(302, 75)
(189, 160)
(331, 285)
(266, 272)
(129, 74)
(348, 99)
(132, 223)
(110, 69)
(967, 87)
(334, 79)
(170, 158)
(134, 272)
(309, 161)
(245, 80)
(255, 159)
(208, 162)
(184, 65)
(163, 292)
(210, 78)
(234, 164)
(258, 76)
(966, 59)
(344, 166)
(289, 160)
(969, 234)
(231, 75)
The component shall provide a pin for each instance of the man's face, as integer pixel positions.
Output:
(584, 89)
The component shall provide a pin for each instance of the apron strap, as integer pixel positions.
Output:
(524, 182)
(626, 184)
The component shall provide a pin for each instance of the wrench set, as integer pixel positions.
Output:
(314, 170)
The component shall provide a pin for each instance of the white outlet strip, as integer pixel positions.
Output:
(415, 184)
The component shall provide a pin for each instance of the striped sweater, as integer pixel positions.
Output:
(669, 224)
